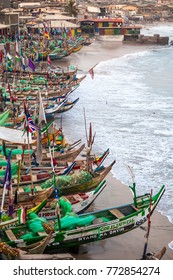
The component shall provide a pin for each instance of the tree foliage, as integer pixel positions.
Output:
(71, 9)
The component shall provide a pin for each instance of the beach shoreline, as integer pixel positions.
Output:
(128, 246)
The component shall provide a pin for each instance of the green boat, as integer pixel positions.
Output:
(73, 230)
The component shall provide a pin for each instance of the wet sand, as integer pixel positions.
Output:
(128, 246)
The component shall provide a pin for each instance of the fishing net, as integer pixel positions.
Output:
(27, 236)
(23, 81)
(5, 218)
(46, 184)
(27, 88)
(35, 223)
(72, 221)
(74, 179)
(65, 205)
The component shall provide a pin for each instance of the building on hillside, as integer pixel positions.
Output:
(4, 29)
(11, 19)
(4, 4)
(107, 26)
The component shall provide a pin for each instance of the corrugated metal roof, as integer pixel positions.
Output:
(103, 19)
(28, 4)
(56, 17)
(55, 24)
(2, 26)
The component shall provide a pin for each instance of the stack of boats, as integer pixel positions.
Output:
(46, 183)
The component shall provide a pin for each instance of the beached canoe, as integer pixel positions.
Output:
(80, 202)
(64, 155)
(16, 220)
(66, 107)
(89, 227)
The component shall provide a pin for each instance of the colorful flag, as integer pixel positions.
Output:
(9, 62)
(29, 124)
(48, 60)
(38, 57)
(9, 91)
(8, 174)
(22, 215)
(7, 184)
(17, 57)
(17, 47)
(23, 64)
(91, 72)
(46, 34)
(31, 65)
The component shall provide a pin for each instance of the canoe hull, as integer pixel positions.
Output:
(99, 229)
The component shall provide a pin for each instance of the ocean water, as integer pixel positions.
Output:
(130, 105)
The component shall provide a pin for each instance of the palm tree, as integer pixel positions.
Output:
(71, 8)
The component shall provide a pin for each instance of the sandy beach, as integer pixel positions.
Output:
(128, 246)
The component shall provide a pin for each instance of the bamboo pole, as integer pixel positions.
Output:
(30, 164)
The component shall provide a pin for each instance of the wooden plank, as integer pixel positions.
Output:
(63, 256)
(42, 233)
(133, 206)
(77, 197)
(116, 213)
(10, 235)
(18, 157)
(34, 177)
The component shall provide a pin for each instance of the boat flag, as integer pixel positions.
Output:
(38, 57)
(9, 91)
(48, 60)
(22, 215)
(17, 47)
(91, 72)
(7, 184)
(29, 124)
(22, 60)
(17, 57)
(31, 65)
(46, 34)
(9, 62)
(41, 120)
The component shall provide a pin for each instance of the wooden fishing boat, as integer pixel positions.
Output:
(31, 252)
(67, 106)
(64, 185)
(35, 178)
(58, 72)
(79, 164)
(88, 227)
(16, 220)
(27, 198)
(43, 55)
(80, 202)
(77, 48)
(66, 155)
(53, 108)
(56, 56)
(82, 182)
